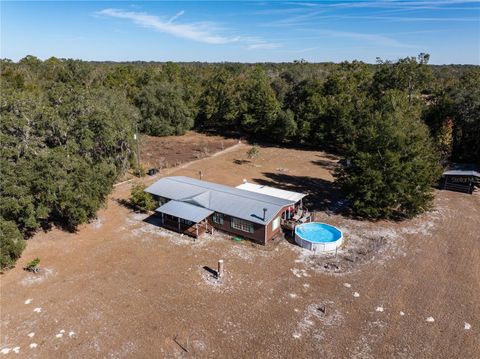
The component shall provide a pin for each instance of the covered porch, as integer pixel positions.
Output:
(185, 218)
(294, 215)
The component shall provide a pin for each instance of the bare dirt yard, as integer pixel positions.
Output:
(122, 287)
(172, 151)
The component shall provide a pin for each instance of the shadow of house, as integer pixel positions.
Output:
(154, 219)
(322, 195)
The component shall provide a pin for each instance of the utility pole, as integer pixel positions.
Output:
(136, 137)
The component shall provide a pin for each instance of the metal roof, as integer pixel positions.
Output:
(184, 210)
(272, 191)
(461, 173)
(216, 197)
(463, 169)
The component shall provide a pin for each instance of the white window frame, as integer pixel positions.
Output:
(242, 225)
(275, 224)
(217, 218)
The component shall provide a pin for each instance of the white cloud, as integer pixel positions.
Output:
(373, 38)
(201, 32)
(177, 15)
(264, 46)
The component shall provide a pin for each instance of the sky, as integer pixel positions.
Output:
(242, 31)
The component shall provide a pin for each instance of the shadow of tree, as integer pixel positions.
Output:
(125, 203)
(240, 162)
(329, 165)
(322, 194)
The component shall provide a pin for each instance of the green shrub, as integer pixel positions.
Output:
(33, 263)
(142, 200)
(140, 171)
(253, 152)
(11, 243)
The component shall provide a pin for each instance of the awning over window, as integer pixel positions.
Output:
(184, 210)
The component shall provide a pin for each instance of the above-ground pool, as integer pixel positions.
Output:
(318, 237)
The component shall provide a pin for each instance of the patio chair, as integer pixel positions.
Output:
(298, 215)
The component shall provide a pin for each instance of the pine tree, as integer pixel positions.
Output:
(392, 162)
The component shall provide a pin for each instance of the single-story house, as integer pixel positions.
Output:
(461, 178)
(193, 206)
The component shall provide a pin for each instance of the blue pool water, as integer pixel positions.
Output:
(318, 232)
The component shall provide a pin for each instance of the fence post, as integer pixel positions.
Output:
(220, 268)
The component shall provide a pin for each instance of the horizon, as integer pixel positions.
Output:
(243, 32)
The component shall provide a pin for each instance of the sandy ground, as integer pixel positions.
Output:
(121, 287)
(171, 151)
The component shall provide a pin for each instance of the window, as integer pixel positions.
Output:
(275, 223)
(242, 225)
(186, 222)
(218, 218)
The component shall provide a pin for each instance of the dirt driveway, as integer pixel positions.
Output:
(121, 287)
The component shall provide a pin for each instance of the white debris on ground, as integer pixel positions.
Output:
(430, 319)
(379, 309)
(292, 295)
(59, 335)
(71, 334)
(16, 350)
(39, 277)
(219, 284)
(31, 335)
(299, 273)
(96, 223)
(37, 310)
(28, 301)
(402, 313)
(356, 294)
(365, 243)
(306, 285)
(347, 285)
(33, 345)
(467, 326)
(243, 250)
(322, 312)
(5, 350)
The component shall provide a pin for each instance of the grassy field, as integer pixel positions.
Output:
(121, 287)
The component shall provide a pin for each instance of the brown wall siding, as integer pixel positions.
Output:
(270, 232)
(257, 236)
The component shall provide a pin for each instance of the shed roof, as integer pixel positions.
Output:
(184, 210)
(463, 169)
(216, 197)
(272, 191)
(461, 173)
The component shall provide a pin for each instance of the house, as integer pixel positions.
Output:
(193, 206)
(461, 178)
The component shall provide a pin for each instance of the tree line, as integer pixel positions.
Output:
(67, 126)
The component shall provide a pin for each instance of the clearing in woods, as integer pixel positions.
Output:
(121, 287)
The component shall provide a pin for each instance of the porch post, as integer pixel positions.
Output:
(178, 223)
(196, 228)
(163, 220)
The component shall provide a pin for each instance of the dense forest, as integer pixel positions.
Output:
(67, 127)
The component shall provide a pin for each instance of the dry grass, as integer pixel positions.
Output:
(126, 288)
